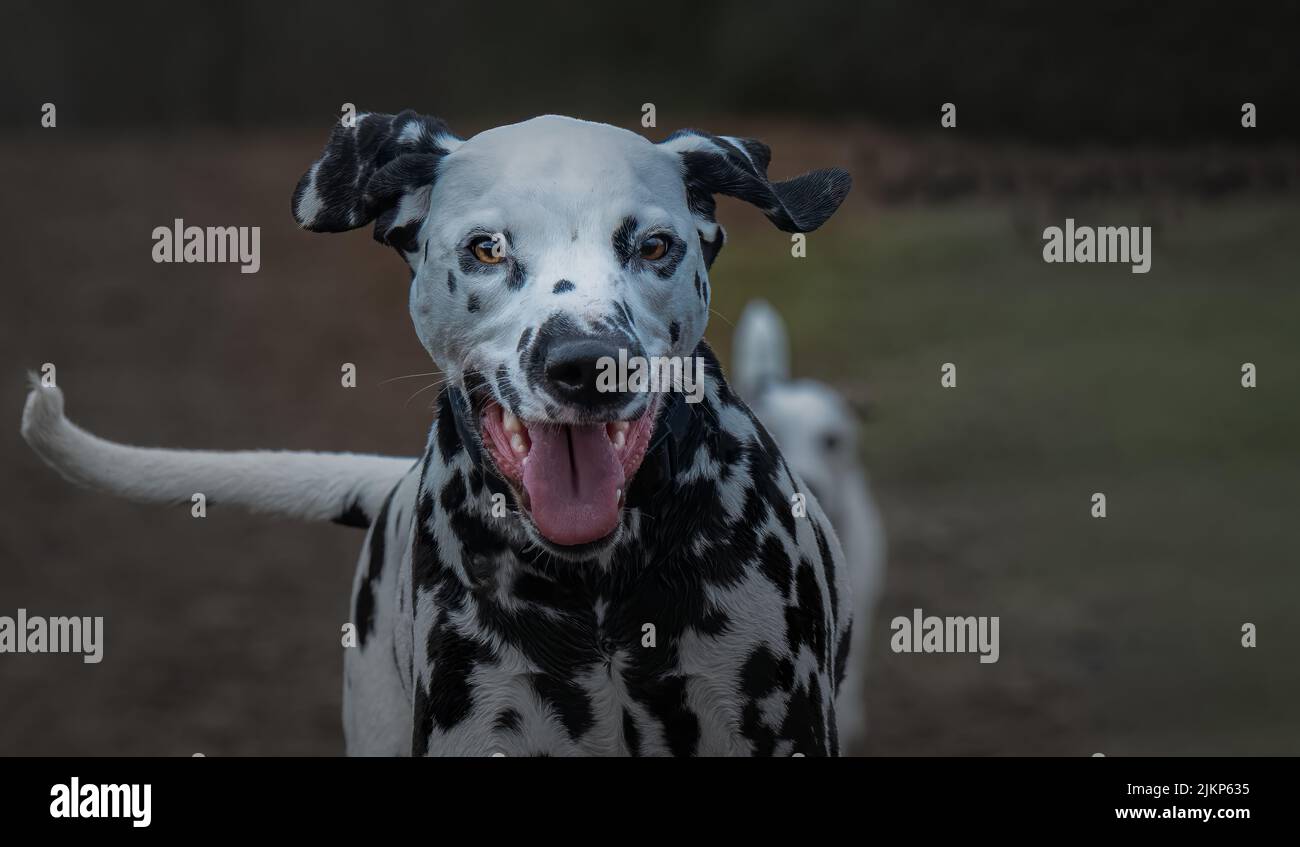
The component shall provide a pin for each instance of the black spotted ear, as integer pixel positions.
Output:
(737, 167)
(381, 169)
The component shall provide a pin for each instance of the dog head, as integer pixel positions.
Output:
(539, 252)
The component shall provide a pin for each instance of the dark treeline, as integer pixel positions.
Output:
(1113, 72)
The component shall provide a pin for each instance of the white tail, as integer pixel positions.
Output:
(760, 350)
(342, 487)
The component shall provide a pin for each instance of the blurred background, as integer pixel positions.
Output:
(1119, 636)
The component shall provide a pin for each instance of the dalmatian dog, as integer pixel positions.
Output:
(817, 431)
(567, 569)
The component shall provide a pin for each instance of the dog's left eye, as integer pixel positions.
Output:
(490, 250)
(654, 248)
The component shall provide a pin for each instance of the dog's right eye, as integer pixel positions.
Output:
(654, 248)
(490, 249)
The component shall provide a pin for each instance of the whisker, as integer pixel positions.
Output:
(724, 317)
(421, 391)
(410, 376)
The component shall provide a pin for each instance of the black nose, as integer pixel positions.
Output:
(584, 372)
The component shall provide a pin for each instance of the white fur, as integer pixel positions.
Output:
(308, 486)
(561, 186)
(799, 414)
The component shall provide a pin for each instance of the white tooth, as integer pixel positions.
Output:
(621, 426)
(517, 444)
(509, 422)
(618, 496)
(619, 440)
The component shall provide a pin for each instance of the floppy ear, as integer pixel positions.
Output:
(737, 167)
(379, 169)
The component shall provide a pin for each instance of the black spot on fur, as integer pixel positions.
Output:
(453, 493)
(477, 537)
(569, 701)
(806, 621)
(509, 720)
(758, 679)
(449, 443)
(405, 237)
(667, 702)
(451, 282)
(506, 389)
(804, 723)
(524, 338)
(828, 568)
(621, 318)
(710, 249)
(562, 286)
(472, 304)
(758, 676)
(753, 728)
(454, 658)
(426, 561)
(517, 276)
(775, 564)
(674, 331)
(715, 623)
(355, 516)
(624, 245)
(363, 613)
(631, 735)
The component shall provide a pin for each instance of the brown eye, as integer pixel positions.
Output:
(488, 250)
(654, 248)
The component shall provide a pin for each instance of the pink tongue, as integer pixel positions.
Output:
(572, 477)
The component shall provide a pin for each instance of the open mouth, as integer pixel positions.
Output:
(572, 479)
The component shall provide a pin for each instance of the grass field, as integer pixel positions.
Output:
(1119, 635)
